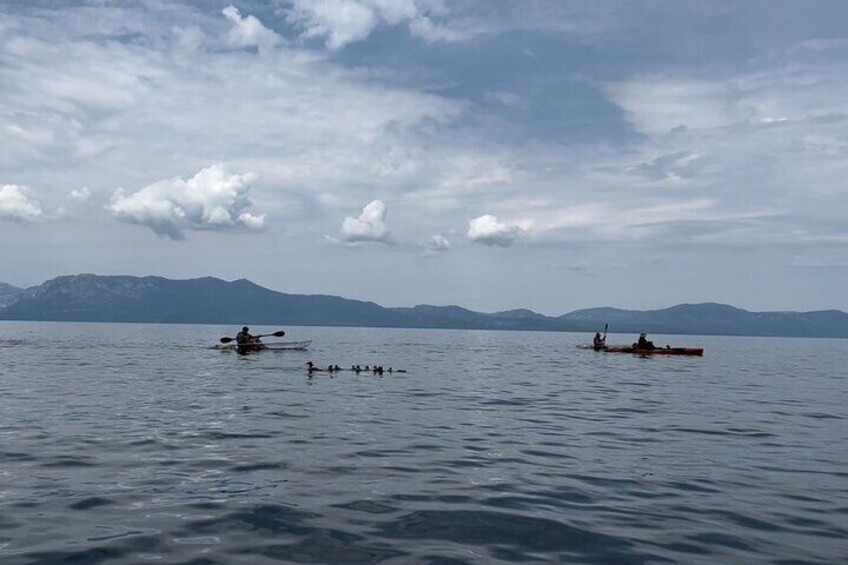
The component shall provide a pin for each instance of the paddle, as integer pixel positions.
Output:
(280, 333)
(605, 332)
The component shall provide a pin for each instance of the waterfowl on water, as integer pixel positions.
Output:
(376, 369)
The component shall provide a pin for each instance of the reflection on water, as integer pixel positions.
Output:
(129, 443)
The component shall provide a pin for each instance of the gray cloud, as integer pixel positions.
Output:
(436, 244)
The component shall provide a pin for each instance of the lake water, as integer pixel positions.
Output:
(128, 443)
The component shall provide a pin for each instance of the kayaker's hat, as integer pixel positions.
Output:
(642, 334)
(245, 328)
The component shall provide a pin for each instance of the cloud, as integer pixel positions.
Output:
(80, 195)
(212, 199)
(370, 226)
(341, 22)
(424, 28)
(784, 92)
(489, 231)
(16, 205)
(248, 31)
(436, 244)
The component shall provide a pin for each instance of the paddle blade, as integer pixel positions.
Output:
(280, 333)
(226, 339)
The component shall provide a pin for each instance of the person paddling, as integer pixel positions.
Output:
(244, 341)
(643, 342)
(599, 342)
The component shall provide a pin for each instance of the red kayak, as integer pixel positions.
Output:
(699, 351)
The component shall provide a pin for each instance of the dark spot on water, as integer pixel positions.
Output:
(259, 467)
(687, 548)
(89, 503)
(481, 527)
(141, 442)
(15, 456)
(205, 505)
(272, 519)
(367, 506)
(68, 461)
(227, 435)
(439, 560)
(286, 415)
(822, 416)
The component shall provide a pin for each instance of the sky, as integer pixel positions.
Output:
(551, 155)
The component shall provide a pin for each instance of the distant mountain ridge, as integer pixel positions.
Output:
(96, 298)
(8, 294)
(719, 319)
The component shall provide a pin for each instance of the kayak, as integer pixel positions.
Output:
(269, 346)
(699, 351)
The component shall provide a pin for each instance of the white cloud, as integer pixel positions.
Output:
(248, 31)
(213, 199)
(80, 195)
(16, 205)
(424, 28)
(341, 22)
(782, 93)
(487, 230)
(436, 244)
(370, 226)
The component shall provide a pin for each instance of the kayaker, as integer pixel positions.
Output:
(244, 340)
(643, 342)
(599, 342)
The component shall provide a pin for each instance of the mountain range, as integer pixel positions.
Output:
(96, 298)
(8, 294)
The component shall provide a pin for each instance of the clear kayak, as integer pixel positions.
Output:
(268, 346)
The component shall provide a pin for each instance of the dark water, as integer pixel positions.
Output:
(135, 443)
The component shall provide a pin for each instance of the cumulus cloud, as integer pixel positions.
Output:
(248, 31)
(369, 226)
(80, 195)
(16, 205)
(213, 199)
(436, 244)
(489, 231)
(341, 22)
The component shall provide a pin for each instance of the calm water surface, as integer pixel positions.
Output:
(124, 443)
